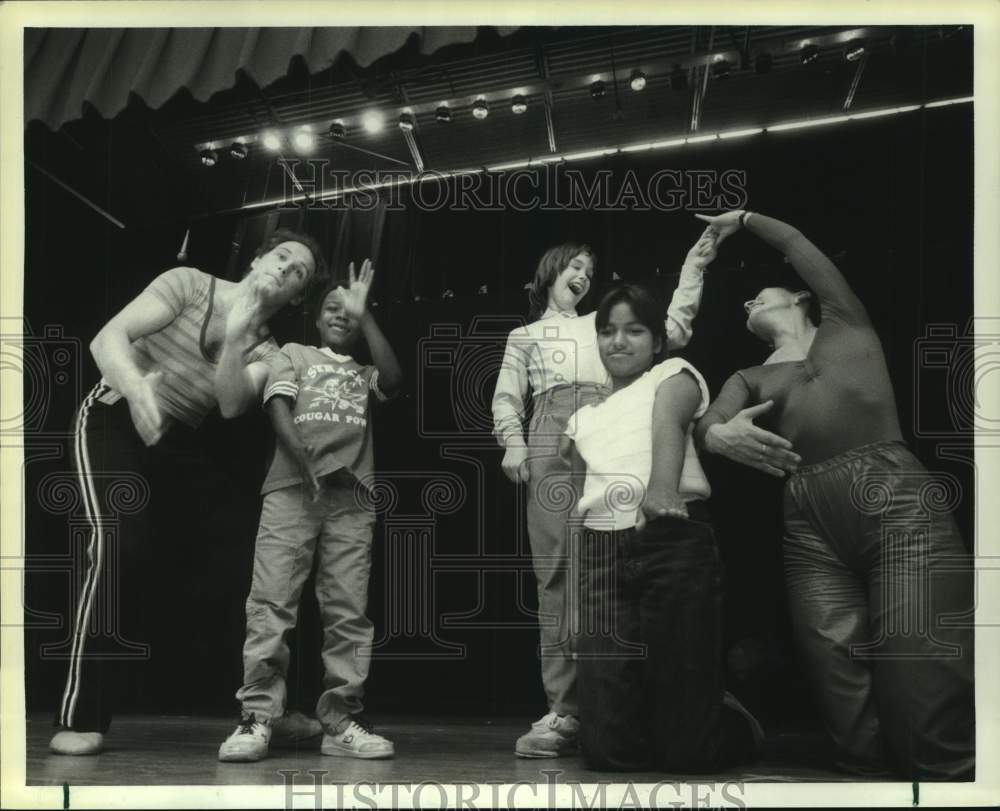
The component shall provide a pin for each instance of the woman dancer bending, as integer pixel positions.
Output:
(879, 580)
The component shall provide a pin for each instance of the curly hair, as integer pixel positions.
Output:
(320, 276)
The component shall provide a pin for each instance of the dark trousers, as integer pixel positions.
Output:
(650, 668)
(108, 624)
(881, 591)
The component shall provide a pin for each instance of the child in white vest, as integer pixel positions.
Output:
(649, 643)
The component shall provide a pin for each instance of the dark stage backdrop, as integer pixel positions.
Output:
(452, 590)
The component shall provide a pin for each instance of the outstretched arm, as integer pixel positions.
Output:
(237, 383)
(686, 299)
(355, 298)
(112, 351)
(836, 298)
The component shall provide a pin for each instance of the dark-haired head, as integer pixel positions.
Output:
(645, 306)
(320, 277)
(631, 334)
(551, 266)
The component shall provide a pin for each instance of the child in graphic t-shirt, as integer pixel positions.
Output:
(315, 506)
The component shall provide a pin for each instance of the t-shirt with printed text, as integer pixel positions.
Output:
(331, 412)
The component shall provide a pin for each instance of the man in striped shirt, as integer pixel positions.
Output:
(157, 358)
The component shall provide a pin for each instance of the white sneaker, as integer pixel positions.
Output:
(551, 735)
(70, 742)
(359, 740)
(248, 743)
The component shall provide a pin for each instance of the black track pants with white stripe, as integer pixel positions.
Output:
(107, 635)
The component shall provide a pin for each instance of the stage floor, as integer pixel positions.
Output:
(182, 750)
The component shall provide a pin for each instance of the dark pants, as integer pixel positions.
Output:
(881, 591)
(109, 630)
(650, 670)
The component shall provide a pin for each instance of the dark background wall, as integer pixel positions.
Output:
(890, 200)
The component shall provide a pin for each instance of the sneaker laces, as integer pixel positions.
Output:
(362, 723)
(247, 723)
(547, 720)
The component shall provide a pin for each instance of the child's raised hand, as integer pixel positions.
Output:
(723, 224)
(705, 249)
(355, 298)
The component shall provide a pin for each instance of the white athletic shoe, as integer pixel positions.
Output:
(550, 736)
(357, 739)
(248, 743)
(70, 742)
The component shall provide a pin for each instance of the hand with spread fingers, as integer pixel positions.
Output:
(355, 297)
(144, 408)
(742, 441)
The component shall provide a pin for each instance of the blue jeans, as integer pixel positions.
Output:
(649, 667)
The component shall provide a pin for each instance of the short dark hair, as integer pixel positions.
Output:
(553, 262)
(321, 274)
(645, 306)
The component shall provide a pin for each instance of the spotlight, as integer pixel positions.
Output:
(372, 122)
(209, 157)
(406, 122)
(443, 114)
(337, 130)
(855, 50)
(484, 290)
(272, 141)
(518, 105)
(304, 140)
(598, 90)
(637, 80)
(720, 69)
(678, 78)
(480, 109)
(809, 54)
(763, 63)
(238, 151)
(447, 294)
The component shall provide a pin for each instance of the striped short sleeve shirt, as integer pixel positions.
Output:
(180, 350)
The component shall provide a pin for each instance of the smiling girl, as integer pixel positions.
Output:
(650, 644)
(555, 360)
